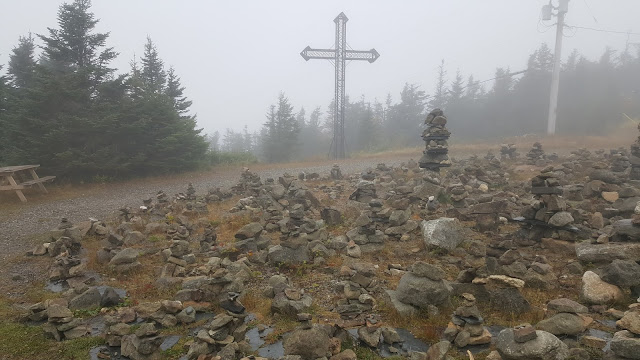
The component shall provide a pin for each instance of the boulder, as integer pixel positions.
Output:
(445, 233)
(249, 231)
(90, 299)
(630, 321)
(566, 306)
(560, 219)
(625, 345)
(562, 324)
(125, 256)
(623, 273)
(595, 291)
(545, 346)
(599, 253)
(308, 343)
(422, 291)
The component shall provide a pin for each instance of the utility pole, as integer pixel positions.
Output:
(339, 56)
(563, 7)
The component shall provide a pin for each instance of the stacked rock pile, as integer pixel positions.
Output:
(435, 155)
(635, 159)
(466, 326)
(547, 215)
(336, 173)
(619, 161)
(536, 155)
(508, 151)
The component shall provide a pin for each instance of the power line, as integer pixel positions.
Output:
(603, 30)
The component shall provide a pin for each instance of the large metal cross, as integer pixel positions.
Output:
(339, 55)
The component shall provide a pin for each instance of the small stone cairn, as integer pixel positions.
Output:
(635, 159)
(536, 155)
(466, 326)
(626, 343)
(508, 151)
(548, 212)
(435, 155)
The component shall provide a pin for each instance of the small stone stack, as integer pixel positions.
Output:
(365, 234)
(536, 155)
(619, 160)
(508, 151)
(635, 159)
(548, 212)
(435, 138)
(365, 192)
(336, 173)
(458, 195)
(466, 326)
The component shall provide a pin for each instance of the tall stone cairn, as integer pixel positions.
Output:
(435, 138)
(635, 159)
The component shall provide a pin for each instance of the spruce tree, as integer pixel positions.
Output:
(153, 75)
(22, 63)
(175, 91)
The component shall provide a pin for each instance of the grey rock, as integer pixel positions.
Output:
(623, 273)
(422, 291)
(249, 231)
(125, 256)
(423, 269)
(309, 344)
(545, 346)
(446, 233)
(562, 324)
(626, 345)
(599, 253)
(560, 219)
(566, 306)
(90, 299)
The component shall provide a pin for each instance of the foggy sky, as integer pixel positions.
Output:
(234, 57)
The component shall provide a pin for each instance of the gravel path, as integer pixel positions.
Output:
(32, 219)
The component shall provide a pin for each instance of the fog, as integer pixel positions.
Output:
(235, 57)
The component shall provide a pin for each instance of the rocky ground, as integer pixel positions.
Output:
(497, 257)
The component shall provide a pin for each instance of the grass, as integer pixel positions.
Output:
(77, 349)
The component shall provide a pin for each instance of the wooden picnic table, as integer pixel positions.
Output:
(7, 175)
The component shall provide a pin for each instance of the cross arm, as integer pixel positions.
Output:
(330, 54)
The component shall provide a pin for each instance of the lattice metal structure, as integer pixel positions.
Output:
(339, 56)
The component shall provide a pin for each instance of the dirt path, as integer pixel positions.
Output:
(20, 222)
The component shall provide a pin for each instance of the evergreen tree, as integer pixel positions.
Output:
(22, 63)
(280, 132)
(439, 98)
(152, 73)
(175, 91)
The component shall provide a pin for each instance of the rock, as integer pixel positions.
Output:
(509, 300)
(390, 336)
(110, 297)
(401, 308)
(251, 230)
(90, 299)
(624, 344)
(422, 291)
(134, 238)
(503, 280)
(398, 217)
(345, 355)
(309, 344)
(372, 338)
(562, 324)
(353, 250)
(623, 273)
(331, 217)
(566, 306)
(438, 351)
(524, 333)
(446, 233)
(630, 321)
(545, 346)
(423, 269)
(125, 256)
(599, 253)
(462, 339)
(560, 219)
(610, 196)
(57, 312)
(595, 291)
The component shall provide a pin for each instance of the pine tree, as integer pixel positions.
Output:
(74, 47)
(22, 63)
(439, 98)
(175, 91)
(152, 73)
(456, 91)
(279, 135)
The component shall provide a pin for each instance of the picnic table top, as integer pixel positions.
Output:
(11, 169)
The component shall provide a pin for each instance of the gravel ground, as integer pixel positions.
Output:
(32, 219)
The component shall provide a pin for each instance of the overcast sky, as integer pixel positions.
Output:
(234, 57)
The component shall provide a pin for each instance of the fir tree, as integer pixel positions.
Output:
(22, 63)
(152, 73)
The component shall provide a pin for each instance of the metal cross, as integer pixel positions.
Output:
(339, 55)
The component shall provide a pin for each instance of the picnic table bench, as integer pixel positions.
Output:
(7, 176)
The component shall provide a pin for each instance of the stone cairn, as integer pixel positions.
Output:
(619, 161)
(635, 159)
(536, 154)
(435, 138)
(466, 326)
(626, 342)
(508, 151)
(547, 215)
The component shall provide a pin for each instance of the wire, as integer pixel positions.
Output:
(603, 30)
(590, 12)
